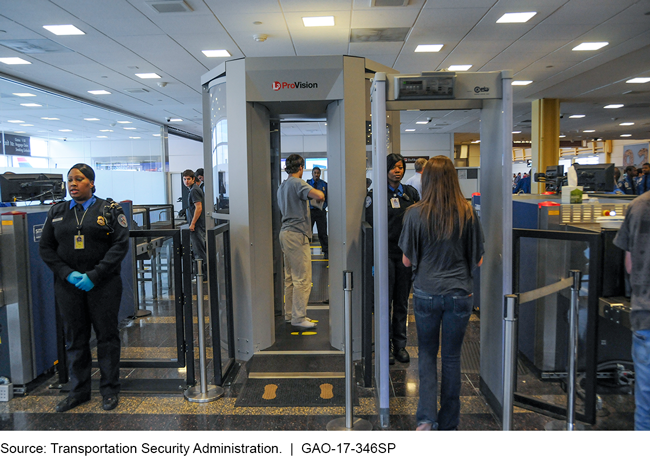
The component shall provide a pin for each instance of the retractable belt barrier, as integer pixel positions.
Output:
(510, 318)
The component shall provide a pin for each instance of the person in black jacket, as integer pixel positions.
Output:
(400, 197)
(84, 242)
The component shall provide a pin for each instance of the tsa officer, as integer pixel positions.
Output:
(84, 242)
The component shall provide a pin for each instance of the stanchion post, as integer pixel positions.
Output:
(348, 423)
(511, 308)
(572, 351)
(204, 393)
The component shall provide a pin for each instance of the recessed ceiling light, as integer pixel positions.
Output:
(638, 80)
(123, 122)
(129, 128)
(135, 138)
(106, 130)
(24, 94)
(409, 130)
(65, 130)
(67, 29)
(516, 17)
(156, 134)
(30, 105)
(626, 135)
(102, 136)
(14, 61)
(428, 48)
(626, 123)
(422, 122)
(562, 136)
(522, 82)
(576, 116)
(517, 131)
(216, 53)
(51, 118)
(589, 131)
(613, 106)
(477, 141)
(590, 46)
(19, 131)
(148, 75)
(318, 21)
(460, 67)
(16, 121)
(99, 92)
(90, 119)
(27, 125)
(176, 119)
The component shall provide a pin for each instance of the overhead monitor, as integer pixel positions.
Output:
(433, 86)
(596, 177)
(31, 187)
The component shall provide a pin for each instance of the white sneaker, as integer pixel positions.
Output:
(288, 320)
(305, 324)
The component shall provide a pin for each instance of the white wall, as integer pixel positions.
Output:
(303, 144)
(184, 154)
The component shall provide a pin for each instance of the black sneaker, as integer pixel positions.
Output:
(69, 403)
(401, 355)
(110, 402)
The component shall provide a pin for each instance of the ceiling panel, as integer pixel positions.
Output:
(384, 17)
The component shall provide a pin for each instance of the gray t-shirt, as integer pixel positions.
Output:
(634, 236)
(441, 266)
(195, 196)
(294, 205)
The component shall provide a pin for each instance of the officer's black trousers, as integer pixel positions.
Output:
(79, 311)
(320, 217)
(399, 287)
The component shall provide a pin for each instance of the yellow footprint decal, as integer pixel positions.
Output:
(269, 392)
(326, 391)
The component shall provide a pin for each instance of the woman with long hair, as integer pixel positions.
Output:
(442, 242)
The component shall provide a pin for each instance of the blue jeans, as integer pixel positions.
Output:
(452, 313)
(641, 357)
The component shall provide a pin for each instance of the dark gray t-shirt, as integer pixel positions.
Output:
(634, 236)
(195, 196)
(441, 266)
(294, 205)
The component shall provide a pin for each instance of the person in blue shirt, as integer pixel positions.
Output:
(628, 183)
(643, 182)
(523, 185)
(319, 215)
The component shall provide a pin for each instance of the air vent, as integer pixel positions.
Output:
(34, 46)
(389, 34)
(136, 90)
(170, 6)
(383, 3)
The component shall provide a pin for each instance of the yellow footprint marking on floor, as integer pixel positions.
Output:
(326, 391)
(269, 392)
(303, 333)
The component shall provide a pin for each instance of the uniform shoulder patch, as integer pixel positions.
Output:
(368, 201)
(121, 219)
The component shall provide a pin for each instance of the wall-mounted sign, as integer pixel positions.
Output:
(16, 145)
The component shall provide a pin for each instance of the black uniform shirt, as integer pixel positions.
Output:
(407, 197)
(106, 240)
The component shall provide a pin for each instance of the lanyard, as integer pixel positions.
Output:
(77, 219)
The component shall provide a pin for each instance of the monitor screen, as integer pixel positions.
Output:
(596, 177)
(31, 187)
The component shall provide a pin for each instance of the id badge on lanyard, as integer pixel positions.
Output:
(79, 242)
(394, 202)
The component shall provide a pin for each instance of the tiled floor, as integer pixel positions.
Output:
(153, 337)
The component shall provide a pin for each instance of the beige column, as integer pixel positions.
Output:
(545, 138)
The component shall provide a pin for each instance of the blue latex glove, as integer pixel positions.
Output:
(74, 277)
(85, 284)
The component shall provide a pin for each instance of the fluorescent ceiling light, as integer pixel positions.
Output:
(562, 136)
(216, 53)
(422, 122)
(27, 125)
(176, 119)
(24, 94)
(516, 17)
(590, 46)
(409, 130)
(99, 92)
(129, 128)
(135, 138)
(626, 123)
(16, 121)
(51, 118)
(19, 131)
(65, 130)
(477, 141)
(576, 116)
(460, 67)
(102, 136)
(67, 29)
(148, 75)
(90, 119)
(156, 134)
(517, 131)
(105, 130)
(123, 122)
(613, 106)
(318, 21)
(14, 60)
(638, 80)
(522, 82)
(428, 48)
(30, 105)
(626, 135)
(589, 131)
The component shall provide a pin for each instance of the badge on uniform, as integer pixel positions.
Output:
(394, 202)
(101, 221)
(79, 242)
(121, 219)
(368, 201)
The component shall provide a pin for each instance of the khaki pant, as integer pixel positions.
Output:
(297, 274)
